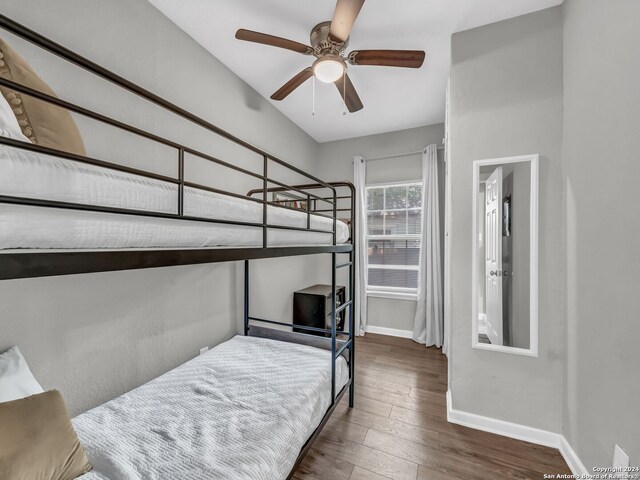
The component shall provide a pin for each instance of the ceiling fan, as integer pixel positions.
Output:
(329, 41)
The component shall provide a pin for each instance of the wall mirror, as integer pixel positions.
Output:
(505, 255)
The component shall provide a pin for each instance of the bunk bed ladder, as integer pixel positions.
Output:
(350, 343)
(334, 356)
(348, 303)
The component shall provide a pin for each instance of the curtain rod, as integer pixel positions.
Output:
(385, 157)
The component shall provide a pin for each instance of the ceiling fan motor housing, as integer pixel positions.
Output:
(323, 44)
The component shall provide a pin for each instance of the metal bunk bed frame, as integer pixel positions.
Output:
(29, 264)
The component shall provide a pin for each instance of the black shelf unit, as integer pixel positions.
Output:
(312, 308)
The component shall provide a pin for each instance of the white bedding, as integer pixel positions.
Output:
(241, 411)
(27, 174)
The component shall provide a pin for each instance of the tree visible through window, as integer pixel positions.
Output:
(394, 223)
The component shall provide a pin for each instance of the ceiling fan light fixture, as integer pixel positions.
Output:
(329, 69)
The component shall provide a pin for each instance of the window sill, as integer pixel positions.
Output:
(393, 295)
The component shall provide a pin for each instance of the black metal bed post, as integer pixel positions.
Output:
(333, 327)
(246, 297)
(181, 179)
(265, 190)
(352, 285)
(333, 301)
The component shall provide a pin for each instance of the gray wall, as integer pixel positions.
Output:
(336, 157)
(336, 163)
(601, 145)
(506, 99)
(98, 335)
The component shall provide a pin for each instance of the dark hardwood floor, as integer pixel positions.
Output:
(399, 430)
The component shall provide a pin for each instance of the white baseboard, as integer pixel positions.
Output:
(517, 431)
(500, 427)
(573, 461)
(392, 332)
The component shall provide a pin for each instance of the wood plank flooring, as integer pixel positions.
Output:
(398, 428)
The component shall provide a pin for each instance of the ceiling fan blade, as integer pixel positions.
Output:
(349, 94)
(266, 39)
(292, 84)
(387, 58)
(344, 16)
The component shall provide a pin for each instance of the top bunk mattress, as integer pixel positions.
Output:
(32, 175)
(243, 410)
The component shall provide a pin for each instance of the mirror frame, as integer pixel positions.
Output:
(532, 351)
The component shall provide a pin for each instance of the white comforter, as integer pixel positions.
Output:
(26, 174)
(241, 411)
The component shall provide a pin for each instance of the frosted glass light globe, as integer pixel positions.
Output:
(328, 70)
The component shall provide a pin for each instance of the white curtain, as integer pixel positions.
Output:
(429, 322)
(360, 243)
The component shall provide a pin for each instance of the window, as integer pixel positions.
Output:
(394, 224)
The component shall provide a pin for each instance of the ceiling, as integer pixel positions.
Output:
(394, 98)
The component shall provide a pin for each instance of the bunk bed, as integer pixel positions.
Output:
(105, 216)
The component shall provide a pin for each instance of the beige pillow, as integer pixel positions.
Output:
(43, 123)
(37, 440)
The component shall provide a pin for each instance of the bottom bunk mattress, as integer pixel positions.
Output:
(243, 410)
